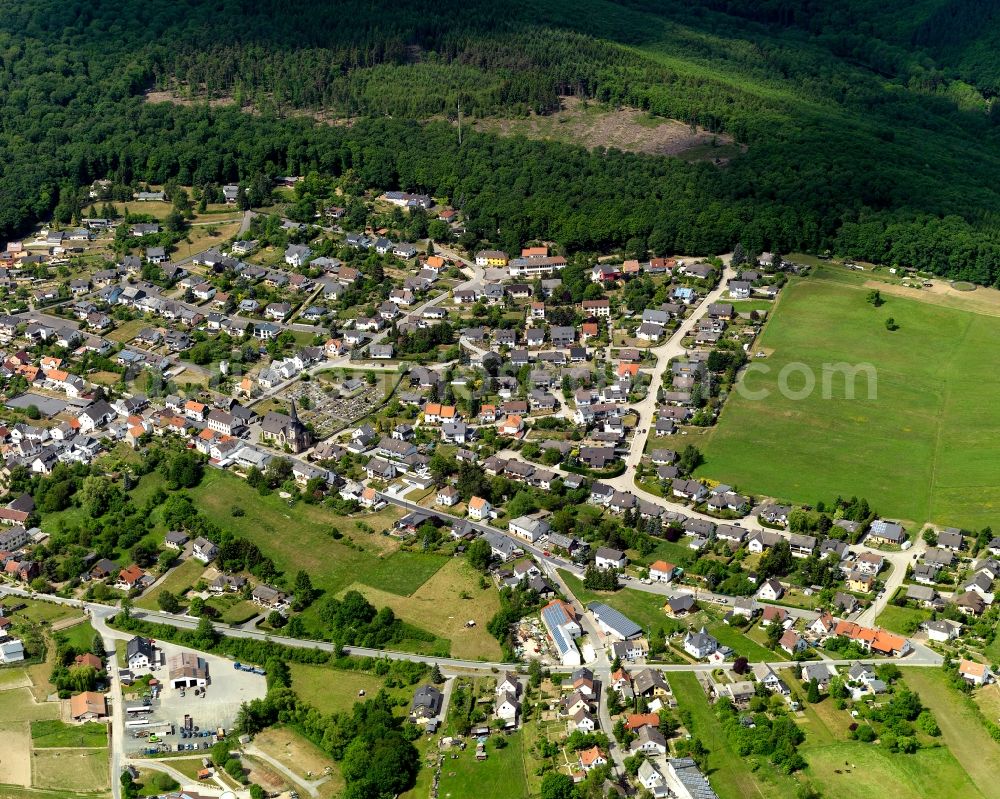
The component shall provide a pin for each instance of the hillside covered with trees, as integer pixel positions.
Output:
(871, 128)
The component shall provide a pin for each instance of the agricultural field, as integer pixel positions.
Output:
(936, 379)
(18, 704)
(70, 769)
(38, 751)
(443, 604)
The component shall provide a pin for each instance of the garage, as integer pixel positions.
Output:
(187, 670)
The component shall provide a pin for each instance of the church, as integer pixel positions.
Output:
(283, 431)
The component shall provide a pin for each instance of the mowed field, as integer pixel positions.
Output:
(961, 730)
(302, 537)
(332, 690)
(439, 606)
(925, 448)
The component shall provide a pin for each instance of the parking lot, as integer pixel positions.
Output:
(216, 707)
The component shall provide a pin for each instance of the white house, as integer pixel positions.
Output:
(479, 508)
(139, 653)
(528, 528)
(661, 572)
(700, 644)
(204, 550)
(608, 558)
(507, 707)
(770, 591)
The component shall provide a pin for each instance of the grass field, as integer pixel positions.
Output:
(936, 381)
(298, 537)
(332, 690)
(744, 645)
(80, 635)
(45, 612)
(238, 612)
(70, 769)
(55, 733)
(874, 773)
(730, 775)
(902, 620)
(18, 704)
(126, 331)
(961, 729)
(988, 699)
(404, 572)
(500, 776)
(181, 578)
(438, 606)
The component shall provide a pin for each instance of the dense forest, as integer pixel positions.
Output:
(871, 127)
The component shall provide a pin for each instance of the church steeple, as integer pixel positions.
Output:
(293, 415)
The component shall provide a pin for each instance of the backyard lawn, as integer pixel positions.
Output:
(500, 776)
(936, 381)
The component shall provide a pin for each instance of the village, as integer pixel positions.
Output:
(530, 413)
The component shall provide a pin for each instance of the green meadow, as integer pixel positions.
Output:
(925, 447)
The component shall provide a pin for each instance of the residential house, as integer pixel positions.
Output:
(700, 644)
(608, 558)
(770, 591)
(886, 532)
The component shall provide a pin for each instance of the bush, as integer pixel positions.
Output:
(864, 733)
(234, 768)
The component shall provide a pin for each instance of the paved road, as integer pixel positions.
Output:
(671, 348)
